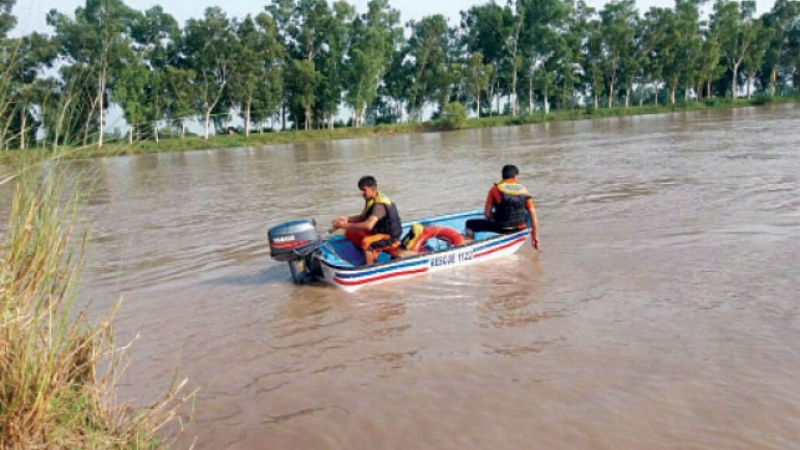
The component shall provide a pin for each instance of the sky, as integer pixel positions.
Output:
(31, 13)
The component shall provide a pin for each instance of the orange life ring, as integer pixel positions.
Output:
(447, 234)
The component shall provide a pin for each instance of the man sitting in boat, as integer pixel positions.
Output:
(505, 209)
(378, 228)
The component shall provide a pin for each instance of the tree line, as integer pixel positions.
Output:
(298, 63)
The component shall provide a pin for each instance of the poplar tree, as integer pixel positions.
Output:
(732, 22)
(374, 38)
(618, 23)
(783, 54)
(425, 57)
(156, 37)
(98, 38)
(208, 48)
(23, 59)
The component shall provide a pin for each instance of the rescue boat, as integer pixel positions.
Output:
(334, 259)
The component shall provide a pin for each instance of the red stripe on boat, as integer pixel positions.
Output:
(501, 247)
(290, 244)
(381, 277)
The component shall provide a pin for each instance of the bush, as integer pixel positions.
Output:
(454, 116)
(763, 99)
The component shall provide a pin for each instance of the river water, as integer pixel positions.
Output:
(661, 313)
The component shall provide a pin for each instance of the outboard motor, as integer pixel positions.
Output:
(296, 243)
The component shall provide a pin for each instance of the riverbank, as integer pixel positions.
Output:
(301, 136)
(59, 366)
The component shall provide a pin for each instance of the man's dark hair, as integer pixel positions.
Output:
(510, 171)
(367, 181)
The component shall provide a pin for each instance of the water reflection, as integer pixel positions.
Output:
(379, 310)
(513, 294)
(274, 275)
(310, 302)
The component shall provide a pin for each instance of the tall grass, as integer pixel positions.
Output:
(58, 366)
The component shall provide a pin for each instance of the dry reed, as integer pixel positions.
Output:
(58, 367)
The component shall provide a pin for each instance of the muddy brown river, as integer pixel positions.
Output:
(662, 312)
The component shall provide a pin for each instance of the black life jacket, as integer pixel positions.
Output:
(390, 223)
(510, 212)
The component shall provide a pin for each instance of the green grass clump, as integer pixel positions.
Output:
(58, 368)
(454, 116)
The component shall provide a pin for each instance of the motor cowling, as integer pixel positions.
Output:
(294, 240)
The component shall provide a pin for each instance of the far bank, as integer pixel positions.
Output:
(448, 123)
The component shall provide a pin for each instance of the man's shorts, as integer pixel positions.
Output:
(480, 225)
(375, 243)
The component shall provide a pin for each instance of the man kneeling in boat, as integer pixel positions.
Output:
(505, 208)
(378, 228)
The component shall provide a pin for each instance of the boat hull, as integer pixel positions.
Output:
(352, 279)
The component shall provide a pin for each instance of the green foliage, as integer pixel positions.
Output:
(302, 60)
(374, 37)
(478, 75)
(763, 99)
(156, 37)
(98, 39)
(616, 32)
(257, 83)
(425, 56)
(738, 33)
(454, 116)
(132, 91)
(303, 81)
(211, 55)
(22, 59)
(7, 20)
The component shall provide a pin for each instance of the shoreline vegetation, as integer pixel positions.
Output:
(299, 65)
(58, 366)
(453, 119)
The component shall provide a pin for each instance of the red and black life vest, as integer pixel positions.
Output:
(511, 212)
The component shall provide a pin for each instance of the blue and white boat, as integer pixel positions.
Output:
(338, 261)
